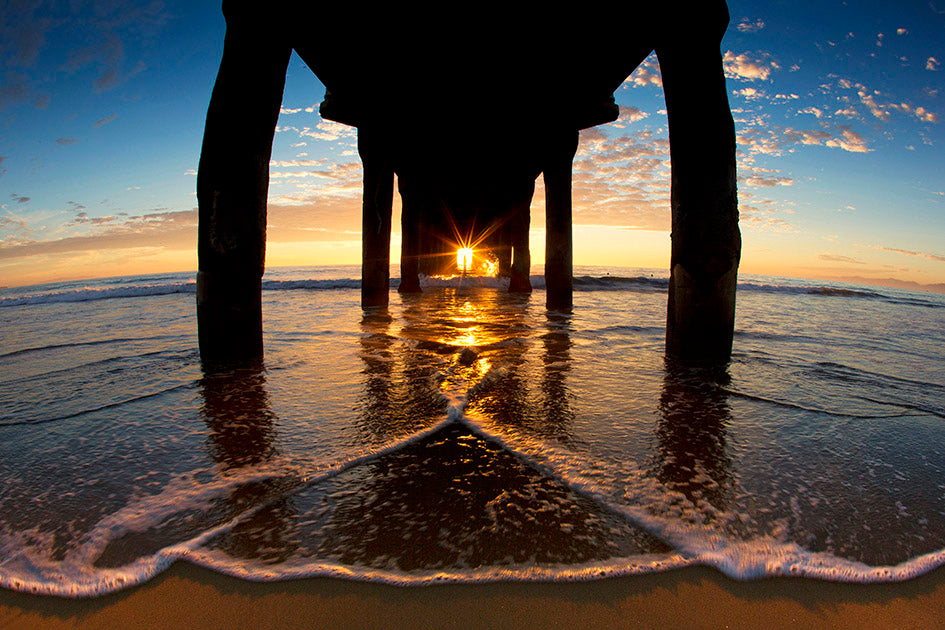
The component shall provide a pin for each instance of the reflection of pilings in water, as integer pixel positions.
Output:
(557, 363)
(531, 397)
(377, 352)
(400, 394)
(694, 416)
(237, 411)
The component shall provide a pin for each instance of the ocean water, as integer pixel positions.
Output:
(468, 435)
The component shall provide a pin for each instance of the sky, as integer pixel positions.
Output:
(838, 109)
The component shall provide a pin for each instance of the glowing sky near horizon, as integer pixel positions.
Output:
(838, 109)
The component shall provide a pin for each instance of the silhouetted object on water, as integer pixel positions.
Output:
(467, 117)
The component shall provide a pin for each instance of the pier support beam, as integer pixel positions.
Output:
(411, 215)
(376, 212)
(706, 243)
(232, 187)
(559, 280)
(519, 222)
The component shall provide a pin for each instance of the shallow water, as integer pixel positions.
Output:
(468, 434)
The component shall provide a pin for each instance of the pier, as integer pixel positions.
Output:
(467, 128)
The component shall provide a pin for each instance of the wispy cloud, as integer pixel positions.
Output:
(66, 141)
(750, 26)
(848, 140)
(106, 120)
(932, 64)
(776, 140)
(905, 252)
(14, 89)
(840, 259)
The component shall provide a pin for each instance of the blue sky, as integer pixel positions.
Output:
(838, 108)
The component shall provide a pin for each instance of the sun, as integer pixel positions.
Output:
(464, 259)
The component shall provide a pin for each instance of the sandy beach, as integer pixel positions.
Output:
(190, 597)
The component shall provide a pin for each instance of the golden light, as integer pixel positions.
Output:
(464, 259)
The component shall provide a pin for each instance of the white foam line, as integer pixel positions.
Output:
(614, 567)
(75, 577)
(695, 545)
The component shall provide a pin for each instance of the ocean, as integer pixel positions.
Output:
(468, 435)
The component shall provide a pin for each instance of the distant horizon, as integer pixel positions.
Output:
(893, 283)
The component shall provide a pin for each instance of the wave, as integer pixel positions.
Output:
(88, 294)
(27, 565)
(841, 292)
(145, 286)
(79, 344)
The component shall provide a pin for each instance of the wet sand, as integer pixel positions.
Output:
(190, 597)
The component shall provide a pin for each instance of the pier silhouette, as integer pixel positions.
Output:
(467, 114)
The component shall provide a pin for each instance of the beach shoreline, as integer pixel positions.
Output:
(187, 596)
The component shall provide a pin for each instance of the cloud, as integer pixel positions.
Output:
(902, 31)
(849, 140)
(746, 67)
(768, 182)
(22, 33)
(106, 120)
(905, 252)
(750, 93)
(924, 115)
(107, 26)
(175, 230)
(869, 99)
(66, 141)
(817, 113)
(883, 110)
(764, 216)
(288, 163)
(747, 26)
(647, 73)
(18, 198)
(299, 187)
(288, 110)
(14, 221)
(320, 220)
(109, 55)
(840, 259)
(776, 140)
(326, 130)
(14, 89)
(932, 64)
(628, 115)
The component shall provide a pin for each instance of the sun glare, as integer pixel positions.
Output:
(464, 259)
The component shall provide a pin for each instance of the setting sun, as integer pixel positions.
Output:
(464, 259)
